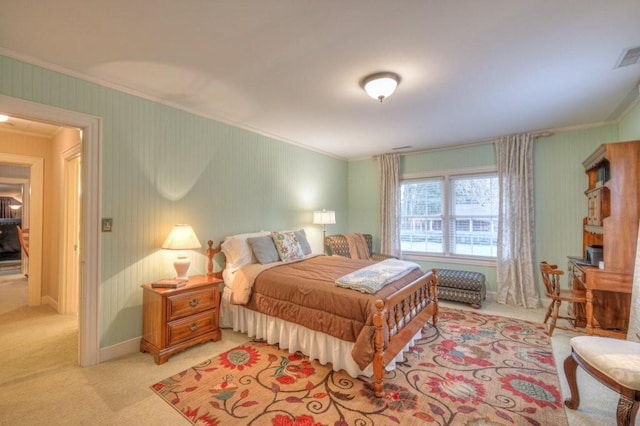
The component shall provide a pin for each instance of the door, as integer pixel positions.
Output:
(70, 271)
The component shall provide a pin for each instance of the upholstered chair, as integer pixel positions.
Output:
(613, 362)
(338, 245)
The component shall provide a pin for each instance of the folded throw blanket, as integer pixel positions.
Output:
(358, 248)
(372, 278)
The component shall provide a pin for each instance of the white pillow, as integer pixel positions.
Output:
(237, 250)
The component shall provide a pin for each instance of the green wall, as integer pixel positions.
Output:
(162, 166)
(629, 128)
(560, 182)
(364, 198)
(479, 155)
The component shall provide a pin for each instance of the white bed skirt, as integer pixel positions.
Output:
(293, 337)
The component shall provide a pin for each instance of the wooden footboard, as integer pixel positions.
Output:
(401, 316)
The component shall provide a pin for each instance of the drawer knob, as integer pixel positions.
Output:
(194, 326)
(194, 303)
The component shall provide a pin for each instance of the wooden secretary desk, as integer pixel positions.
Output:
(613, 200)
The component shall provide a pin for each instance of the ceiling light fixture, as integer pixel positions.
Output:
(3, 118)
(380, 85)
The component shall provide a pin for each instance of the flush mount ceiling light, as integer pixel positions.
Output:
(380, 85)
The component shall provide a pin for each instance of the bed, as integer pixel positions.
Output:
(296, 304)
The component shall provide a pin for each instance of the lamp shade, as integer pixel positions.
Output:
(181, 237)
(380, 85)
(324, 217)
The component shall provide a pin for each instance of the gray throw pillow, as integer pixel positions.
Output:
(264, 249)
(302, 240)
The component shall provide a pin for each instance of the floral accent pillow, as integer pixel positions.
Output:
(287, 245)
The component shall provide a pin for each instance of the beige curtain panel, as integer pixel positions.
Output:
(516, 225)
(389, 171)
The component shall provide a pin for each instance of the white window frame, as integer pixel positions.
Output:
(447, 256)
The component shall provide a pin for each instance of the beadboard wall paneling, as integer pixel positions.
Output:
(479, 155)
(560, 182)
(162, 166)
(629, 127)
(364, 199)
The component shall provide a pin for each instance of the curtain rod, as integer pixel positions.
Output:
(487, 141)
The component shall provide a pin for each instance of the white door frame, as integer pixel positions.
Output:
(88, 321)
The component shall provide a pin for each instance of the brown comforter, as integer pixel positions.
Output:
(305, 293)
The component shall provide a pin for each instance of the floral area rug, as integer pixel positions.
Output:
(472, 369)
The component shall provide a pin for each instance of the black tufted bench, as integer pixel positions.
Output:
(462, 286)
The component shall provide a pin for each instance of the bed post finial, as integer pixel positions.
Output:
(210, 253)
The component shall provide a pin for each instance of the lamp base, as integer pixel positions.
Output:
(181, 264)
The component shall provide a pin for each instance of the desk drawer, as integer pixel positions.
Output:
(578, 274)
(193, 326)
(185, 304)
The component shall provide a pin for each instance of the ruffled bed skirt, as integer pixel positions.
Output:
(292, 337)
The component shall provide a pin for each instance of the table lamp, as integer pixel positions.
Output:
(181, 238)
(324, 218)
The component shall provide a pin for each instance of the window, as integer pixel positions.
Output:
(467, 205)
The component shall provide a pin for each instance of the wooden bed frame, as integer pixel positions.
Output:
(400, 316)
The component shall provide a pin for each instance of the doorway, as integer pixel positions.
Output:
(89, 214)
(34, 198)
(12, 207)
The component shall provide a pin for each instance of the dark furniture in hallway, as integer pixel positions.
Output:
(9, 243)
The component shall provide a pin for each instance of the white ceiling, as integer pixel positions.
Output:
(16, 124)
(11, 191)
(471, 69)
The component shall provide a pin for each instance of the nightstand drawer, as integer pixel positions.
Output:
(187, 328)
(176, 319)
(191, 303)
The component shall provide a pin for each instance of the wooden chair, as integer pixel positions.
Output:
(551, 278)
(23, 237)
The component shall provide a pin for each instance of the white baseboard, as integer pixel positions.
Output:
(47, 300)
(120, 349)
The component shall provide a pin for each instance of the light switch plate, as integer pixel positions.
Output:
(107, 224)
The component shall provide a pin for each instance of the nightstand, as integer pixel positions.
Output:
(176, 319)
